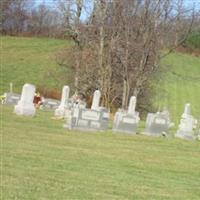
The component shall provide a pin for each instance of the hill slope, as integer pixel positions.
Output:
(42, 160)
(180, 84)
(32, 60)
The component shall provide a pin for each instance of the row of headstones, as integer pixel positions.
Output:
(78, 117)
(48, 104)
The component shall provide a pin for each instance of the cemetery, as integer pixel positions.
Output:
(89, 135)
(70, 148)
(97, 118)
(100, 99)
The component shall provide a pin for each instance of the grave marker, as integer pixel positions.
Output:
(187, 125)
(25, 105)
(95, 119)
(126, 121)
(60, 111)
(158, 124)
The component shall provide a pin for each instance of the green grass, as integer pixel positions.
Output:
(180, 84)
(31, 60)
(42, 160)
(193, 40)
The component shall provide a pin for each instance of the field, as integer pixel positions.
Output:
(42, 160)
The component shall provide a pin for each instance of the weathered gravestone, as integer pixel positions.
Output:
(126, 121)
(11, 98)
(25, 105)
(49, 104)
(75, 102)
(60, 111)
(158, 124)
(187, 125)
(95, 119)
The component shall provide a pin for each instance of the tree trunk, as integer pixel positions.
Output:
(101, 45)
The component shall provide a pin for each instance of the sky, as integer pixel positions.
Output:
(84, 15)
(187, 2)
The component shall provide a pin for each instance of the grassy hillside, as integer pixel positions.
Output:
(41, 160)
(31, 60)
(179, 84)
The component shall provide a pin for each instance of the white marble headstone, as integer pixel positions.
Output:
(126, 121)
(96, 100)
(187, 125)
(132, 105)
(60, 111)
(187, 110)
(25, 105)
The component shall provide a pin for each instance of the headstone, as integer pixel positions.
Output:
(158, 124)
(49, 104)
(95, 119)
(60, 111)
(11, 98)
(126, 121)
(187, 125)
(78, 104)
(25, 105)
(96, 100)
(132, 105)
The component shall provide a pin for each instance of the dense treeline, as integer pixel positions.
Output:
(24, 17)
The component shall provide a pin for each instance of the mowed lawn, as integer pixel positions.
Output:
(31, 60)
(179, 84)
(42, 160)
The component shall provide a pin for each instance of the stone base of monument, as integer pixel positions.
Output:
(185, 135)
(157, 125)
(63, 112)
(11, 98)
(87, 120)
(125, 123)
(24, 110)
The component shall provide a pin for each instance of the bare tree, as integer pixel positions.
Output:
(121, 43)
(14, 16)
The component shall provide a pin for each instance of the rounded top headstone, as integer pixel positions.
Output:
(96, 100)
(132, 105)
(187, 109)
(65, 95)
